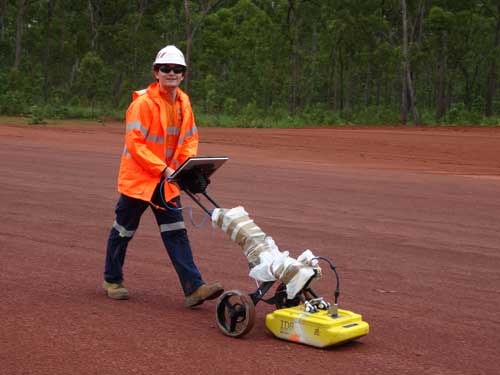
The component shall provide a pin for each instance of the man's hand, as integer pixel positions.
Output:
(168, 172)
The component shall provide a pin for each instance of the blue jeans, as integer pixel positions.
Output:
(173, 233)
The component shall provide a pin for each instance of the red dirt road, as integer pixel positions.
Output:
(410, 217)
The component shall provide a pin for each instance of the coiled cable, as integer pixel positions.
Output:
(173, 208)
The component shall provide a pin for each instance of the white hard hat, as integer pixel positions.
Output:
(170, 55)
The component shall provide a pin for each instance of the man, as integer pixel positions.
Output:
(160, 136)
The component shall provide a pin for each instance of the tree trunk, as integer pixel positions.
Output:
(330, 94)
(417, 29)
(340, 83)
(292, 35)
(94, 22)
(349, 83)
(468, 89)
(22, 6)
(117, 88)
(74, 70)
(378, 88)
(47, 52)
(441, 78)
(368, 82)
(492, 76)
(411, 96)
(470, 79)
(388, 83)
(449, 99)
(314, 84)
(404, 99)
(191, 30)
(404, 89)
(408, 90)
(3, 11)
(189, 43)
(142, 8)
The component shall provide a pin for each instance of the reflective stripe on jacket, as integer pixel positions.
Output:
(158, 134)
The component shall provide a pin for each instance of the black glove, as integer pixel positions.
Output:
(195, 182)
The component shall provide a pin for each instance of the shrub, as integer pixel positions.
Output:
(37, 115)
(13, 103)
(374, 115)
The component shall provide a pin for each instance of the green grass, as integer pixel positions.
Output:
(313, 116)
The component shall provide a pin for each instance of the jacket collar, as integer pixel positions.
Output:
(153, 91)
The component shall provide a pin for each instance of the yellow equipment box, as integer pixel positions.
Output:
(318, 329)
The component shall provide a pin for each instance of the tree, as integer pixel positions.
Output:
(492, 75)
(408, 98)
(351, 59)
(3, 10)
(191, 27)
(47, 51)
(440, 23)
(22, 6)
(292, 23)
(233, 49)
(90, 76)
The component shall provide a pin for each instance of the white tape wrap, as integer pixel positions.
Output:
(266, 261)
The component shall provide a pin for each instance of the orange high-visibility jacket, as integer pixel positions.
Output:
(158, 134)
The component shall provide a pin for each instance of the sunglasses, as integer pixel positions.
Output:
(168, 69)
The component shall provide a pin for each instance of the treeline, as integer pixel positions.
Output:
(255, 62)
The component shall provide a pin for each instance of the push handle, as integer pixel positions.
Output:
(199, 203)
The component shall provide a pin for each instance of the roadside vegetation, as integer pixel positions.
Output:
(258, 63)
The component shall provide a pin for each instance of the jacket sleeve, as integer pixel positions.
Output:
(190, 137)
(138, 120)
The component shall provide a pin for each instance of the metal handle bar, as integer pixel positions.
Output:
(198, 202)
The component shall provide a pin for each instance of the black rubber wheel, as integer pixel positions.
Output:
(235, 313)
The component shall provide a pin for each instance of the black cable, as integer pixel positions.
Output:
(334, 269)
(189, 209)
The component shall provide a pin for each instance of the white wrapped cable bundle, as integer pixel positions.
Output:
(266, 261)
